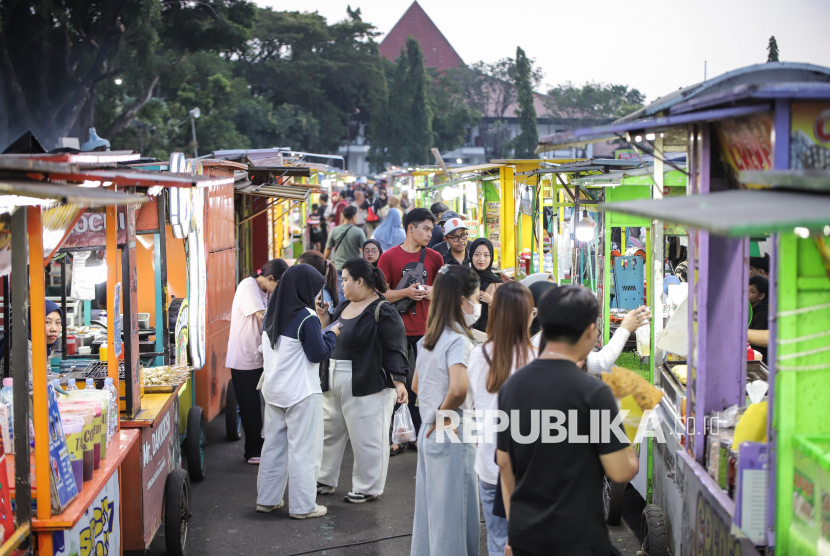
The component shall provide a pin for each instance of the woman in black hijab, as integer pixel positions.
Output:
(481, 255)
(293, 347)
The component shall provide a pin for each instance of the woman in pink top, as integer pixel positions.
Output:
(245, 349)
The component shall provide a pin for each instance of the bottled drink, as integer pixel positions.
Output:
(7, 393)
(113, 406)
(90, 384)
(56, 383)
(71, 386)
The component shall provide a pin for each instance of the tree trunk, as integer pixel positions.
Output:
(126, 117)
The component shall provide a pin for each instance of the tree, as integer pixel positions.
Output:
(451, 116)
(772, 50)
(56, 55)
(524, 145)
(593, 103)
(419, 116)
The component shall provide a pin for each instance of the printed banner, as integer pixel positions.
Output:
(810, 136)
(747, 143)
(98, 533)
(64, 489)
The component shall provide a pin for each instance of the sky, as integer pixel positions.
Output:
(654, 46)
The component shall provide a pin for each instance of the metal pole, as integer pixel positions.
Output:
(165, 308)
(193, 129)
(7, 314)
(20, 347)
(63, 307)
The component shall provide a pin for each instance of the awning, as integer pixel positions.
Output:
(272, 172)
(806, 180)
(87, 196)
(636, 176)
(476, 168)
(737, 213)
(287, 192)
(93, 157)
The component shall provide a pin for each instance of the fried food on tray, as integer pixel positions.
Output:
(624, 382)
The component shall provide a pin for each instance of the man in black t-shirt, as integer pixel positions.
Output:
(552, 486)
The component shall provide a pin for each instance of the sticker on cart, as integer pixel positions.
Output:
(118, 321)
(197, 295)
(99, 529)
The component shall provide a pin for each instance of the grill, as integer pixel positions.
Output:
(100, 370)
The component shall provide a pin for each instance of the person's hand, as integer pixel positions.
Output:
(414, 292)
(403, 395)
(336, 328)
(446, 427)
(635, 319)
(485, 297)
(429, 292)
(507, 550)
(321, 306)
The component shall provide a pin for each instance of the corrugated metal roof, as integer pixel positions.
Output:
(88, 196)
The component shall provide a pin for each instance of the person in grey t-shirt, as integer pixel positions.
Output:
(347, 242)
(446, 497)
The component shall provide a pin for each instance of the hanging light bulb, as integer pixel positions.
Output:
(585, 228)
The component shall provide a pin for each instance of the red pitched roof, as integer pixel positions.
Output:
(438, 52)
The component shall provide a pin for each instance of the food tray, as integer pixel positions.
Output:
(160, 388)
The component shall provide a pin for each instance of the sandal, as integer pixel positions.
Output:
(395, 451)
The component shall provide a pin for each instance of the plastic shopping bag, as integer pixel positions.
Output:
(403, 429)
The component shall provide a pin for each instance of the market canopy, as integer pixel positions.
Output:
(808, 180)
(638, 176)
(86, 196)
(735, 213)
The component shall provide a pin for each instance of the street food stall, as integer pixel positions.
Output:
(37, 217)
(705, 480)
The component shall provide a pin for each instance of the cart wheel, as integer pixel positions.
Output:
(233, 421)
(177, 513)
(655, 533)
(195, 442)
(612, 499)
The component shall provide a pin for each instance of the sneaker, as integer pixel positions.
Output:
(266, 509)
(357, 498)
(319, 511)
(324, 489)
(253, 461)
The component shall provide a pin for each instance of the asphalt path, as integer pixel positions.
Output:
(225, 521)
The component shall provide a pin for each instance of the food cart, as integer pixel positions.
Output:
(39, 219)
(756, 118)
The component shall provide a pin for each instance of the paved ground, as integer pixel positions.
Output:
(225, 521)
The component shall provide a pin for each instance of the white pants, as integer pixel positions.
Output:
(364, 419)
(293, 444)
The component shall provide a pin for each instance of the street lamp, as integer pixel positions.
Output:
(195, 113)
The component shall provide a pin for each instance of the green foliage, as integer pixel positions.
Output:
(593, 102)
(772, 50)
(419, 116)
(525, 143)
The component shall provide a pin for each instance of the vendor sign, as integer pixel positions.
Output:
(99, 530)
(747, 142)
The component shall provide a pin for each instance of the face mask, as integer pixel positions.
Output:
(470, 319)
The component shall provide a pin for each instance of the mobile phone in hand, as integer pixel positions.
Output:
(332, 325)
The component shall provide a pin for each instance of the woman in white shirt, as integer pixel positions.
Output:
(244, 357)
(506, 349)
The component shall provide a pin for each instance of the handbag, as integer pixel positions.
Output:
(412, 276)
(410, 353)
(371, 215)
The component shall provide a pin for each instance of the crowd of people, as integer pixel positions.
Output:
(415, 315)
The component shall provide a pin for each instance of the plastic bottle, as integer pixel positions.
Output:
(90, 384)
(113, 406)
(71, 386)
(7, 392)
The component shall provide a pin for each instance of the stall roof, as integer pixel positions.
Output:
(292, 192)
(759, 74)
(279, 171)
(736, 213)
(93, 158)
(139, 178)
(476, 168)
(743, 93)
(583, 136)
(89, 196)
(20, 164)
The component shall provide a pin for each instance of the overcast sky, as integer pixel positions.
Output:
(655, 46)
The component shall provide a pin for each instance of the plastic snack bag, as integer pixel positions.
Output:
(403, 429)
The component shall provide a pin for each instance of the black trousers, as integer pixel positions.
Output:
(414, 410)
(244, 386)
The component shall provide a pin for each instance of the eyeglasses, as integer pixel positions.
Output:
(456, 239)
